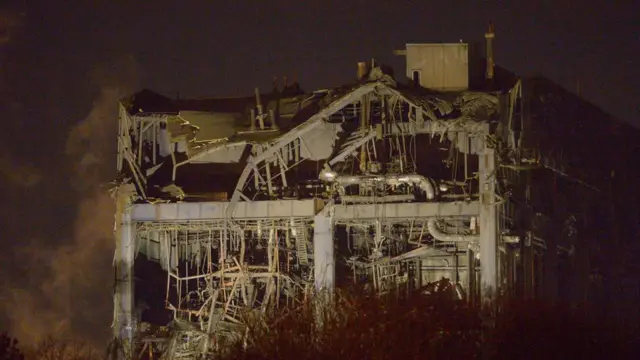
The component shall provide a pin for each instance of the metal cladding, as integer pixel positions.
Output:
(258, 203)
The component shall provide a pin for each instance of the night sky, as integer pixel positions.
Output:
(63, 65)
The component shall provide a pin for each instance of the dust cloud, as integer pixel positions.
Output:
(14, 172)
(18, 173)
(69, 291)
(10, 20)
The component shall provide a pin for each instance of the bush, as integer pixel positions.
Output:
(360, 326)
(433, 326)
(9, 348)
(56, 349)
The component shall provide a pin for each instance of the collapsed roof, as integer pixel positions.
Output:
(214, 137)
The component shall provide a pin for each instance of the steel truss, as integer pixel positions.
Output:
(239, 259)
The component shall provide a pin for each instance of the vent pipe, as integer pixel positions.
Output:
(363, 69)
(260, 110)
(489, 36)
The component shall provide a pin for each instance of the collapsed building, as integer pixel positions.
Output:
(466, 172)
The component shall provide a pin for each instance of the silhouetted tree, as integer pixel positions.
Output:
(9, 348)
(55, 349)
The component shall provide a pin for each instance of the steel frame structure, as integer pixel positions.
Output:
(226, 259)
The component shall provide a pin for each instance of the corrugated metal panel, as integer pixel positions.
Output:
(440, 66)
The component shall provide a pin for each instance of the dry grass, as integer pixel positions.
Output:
(397, 326)
(57, 349)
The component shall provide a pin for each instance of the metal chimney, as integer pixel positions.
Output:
(363, 70)
(260, 110)
(489, 36)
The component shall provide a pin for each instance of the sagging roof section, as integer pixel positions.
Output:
(166, 140)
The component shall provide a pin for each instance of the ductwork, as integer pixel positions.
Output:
(442, 236)
(417, 180)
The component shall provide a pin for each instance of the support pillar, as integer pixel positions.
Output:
(550, 268)
(510, 272)
(472, 276)
(527, 264)
(323, 252)
(124, 321)
(488, 226)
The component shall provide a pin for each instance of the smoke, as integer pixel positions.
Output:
(10, 20)
(19, 174)
(15, 173)
(70, 287)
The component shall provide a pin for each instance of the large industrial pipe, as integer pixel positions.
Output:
(442, 236)
(417, 180)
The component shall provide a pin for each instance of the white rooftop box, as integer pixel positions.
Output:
(443, 67)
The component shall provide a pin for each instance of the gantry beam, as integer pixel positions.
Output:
(298, 209)
(405, 211)
(217, 209)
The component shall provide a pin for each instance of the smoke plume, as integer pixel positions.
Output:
(18, 173)
(69, 293)
(15, 172)
(10, 20)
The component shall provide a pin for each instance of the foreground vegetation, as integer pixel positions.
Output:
(434, 326)
(431, 326)
(48, 349)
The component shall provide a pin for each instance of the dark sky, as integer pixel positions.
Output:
(200, 49)
(57, 57)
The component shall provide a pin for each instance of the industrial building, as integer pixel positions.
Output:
(462, 171)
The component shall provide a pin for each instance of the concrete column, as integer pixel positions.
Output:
(550, 267)
(124, 322)
(472, 287)
(510, 272)
(323, 256)
(528, 266)
(488, 226)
